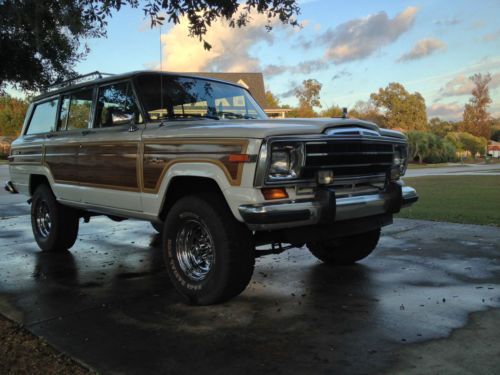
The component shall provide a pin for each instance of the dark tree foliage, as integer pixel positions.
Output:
(40, 41)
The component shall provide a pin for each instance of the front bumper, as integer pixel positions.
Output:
(326, 208)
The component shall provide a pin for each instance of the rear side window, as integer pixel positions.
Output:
(44, 118)
(116, 105)
(75, 110)
(80, 107)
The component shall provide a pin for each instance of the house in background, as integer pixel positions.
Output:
(494, 149)
(254, 82)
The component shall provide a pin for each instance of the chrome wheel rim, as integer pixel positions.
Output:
(43, 221)
(195, 249)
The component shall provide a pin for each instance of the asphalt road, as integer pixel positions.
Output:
(427, 301)
(457, 170)
(10, 204)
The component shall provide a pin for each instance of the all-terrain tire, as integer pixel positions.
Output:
(54, 226)
(346, 250)
(225, 243)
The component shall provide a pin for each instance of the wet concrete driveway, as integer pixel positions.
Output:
(425, 302)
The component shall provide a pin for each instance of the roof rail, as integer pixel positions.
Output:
(75, 80)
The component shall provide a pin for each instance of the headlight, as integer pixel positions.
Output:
(286, 161)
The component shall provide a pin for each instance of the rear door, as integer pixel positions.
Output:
(61, 152)
(108, 159)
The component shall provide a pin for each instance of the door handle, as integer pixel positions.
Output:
(86, 132)
(49, 135)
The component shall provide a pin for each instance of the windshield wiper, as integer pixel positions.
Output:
(237, 115)
(186, 117)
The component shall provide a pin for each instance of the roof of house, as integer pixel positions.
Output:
(254, 82)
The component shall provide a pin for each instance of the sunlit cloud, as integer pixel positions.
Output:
(423, 48)
(360, 38)
(230, 47)
(448, 111)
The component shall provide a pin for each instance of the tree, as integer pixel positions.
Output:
(468, 143)
(369, 112)
(12, 112)
(40, 41)
(477, 120)
(309, 97)
(496, 136)
(332, 111)
(440, 127)
(428, 147)
(402, 109)
(272, 100)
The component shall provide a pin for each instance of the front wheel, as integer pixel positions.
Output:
(209, 255)
(346, 250)
(55, 226)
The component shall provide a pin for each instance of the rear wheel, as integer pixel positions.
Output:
(55, 226)
(209, 254)
(345, 250)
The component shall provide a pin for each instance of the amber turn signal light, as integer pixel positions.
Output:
(274, 193)
(239, 158)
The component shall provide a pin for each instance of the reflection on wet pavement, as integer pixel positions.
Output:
(109, 302)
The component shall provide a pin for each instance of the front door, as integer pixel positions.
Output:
(108, 159)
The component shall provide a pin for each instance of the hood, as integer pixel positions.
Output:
(259, 128)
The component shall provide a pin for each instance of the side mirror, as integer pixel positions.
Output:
(121, 118)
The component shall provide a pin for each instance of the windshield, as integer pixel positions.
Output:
(183, 97)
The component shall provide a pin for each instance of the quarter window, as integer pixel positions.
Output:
(44, 118)
(116, 106)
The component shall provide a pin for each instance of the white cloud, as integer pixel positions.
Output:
(230, 47)
(462, 85)
(360, 38)
(447, 111)
(423, 48)
(448, 21)
(491, 37)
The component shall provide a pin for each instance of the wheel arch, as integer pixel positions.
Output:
(180, 186)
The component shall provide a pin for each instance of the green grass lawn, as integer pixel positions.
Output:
(458, 199)
(2, 161)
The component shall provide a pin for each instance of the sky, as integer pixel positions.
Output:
(352, 47)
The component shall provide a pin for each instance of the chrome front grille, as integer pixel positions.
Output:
(348, 158)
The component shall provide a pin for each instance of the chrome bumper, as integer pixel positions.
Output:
(326, 208)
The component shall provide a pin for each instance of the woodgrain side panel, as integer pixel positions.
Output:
(109, 165)
(159, 156)
(27, 155)
(62, 162)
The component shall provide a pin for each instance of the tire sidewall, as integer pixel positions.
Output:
(42, 194)
(208, 289)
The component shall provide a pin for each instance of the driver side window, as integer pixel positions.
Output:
(116, 106)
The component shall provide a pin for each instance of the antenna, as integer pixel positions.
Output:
(344, 112)
(161, 76)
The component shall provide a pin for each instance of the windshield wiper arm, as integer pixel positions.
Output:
(237, 115)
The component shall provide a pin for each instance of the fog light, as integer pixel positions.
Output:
(325, 177)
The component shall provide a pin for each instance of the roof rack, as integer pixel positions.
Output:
(78, 79)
